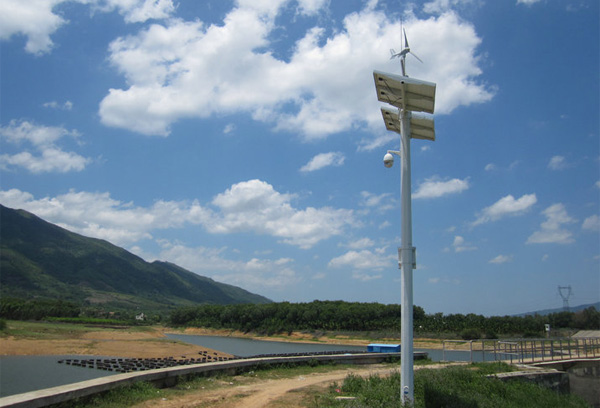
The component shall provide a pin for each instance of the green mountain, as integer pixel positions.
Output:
(42, 260)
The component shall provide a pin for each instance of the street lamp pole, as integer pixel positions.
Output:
(408, 95)
(406, 263)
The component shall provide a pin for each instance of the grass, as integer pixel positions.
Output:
(53, 330)
(140, 392)
(464, 387)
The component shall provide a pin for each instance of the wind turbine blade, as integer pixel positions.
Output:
(405, 39)
(420, 60)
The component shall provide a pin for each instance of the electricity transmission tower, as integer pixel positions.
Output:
(565, 293)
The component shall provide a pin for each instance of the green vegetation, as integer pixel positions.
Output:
(119, 397)
(140, 392)
(363, 317)
(55, 330)
(36, 309)
(40, 260)
(465, 387)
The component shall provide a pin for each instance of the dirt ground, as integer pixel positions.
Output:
(154, 343)
(118, 343)
(272, 393)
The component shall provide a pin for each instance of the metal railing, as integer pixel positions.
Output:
(526, 350)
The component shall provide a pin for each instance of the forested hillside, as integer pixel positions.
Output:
(344, 316)
(42, 260)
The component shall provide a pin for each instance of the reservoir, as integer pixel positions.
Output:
(242, 347)
(20, 374)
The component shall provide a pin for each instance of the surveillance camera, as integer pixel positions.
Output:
(388, 160)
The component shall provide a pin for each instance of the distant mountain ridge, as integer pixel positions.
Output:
(40, 259)
(560, 309)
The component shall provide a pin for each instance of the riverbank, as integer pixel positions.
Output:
(39, 338)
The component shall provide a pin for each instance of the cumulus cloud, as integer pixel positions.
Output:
(442, 6)
(527, 2)
(36, 19)
(324, 160)
(364, 259)
(254, 274)
(591, 223)
(552, 230)
(183, 69)
(460, 245)
(500, 259)
(435, 188)
(361, 243)
(252, 206)
(506, 206)
(68, 105)
(558, 163)
(43, 139)
(380, 202)
(255, 206)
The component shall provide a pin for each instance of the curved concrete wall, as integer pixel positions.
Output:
(169, 376)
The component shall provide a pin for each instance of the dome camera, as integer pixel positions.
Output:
(388, 160)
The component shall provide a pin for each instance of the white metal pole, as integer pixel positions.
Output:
(407, 262)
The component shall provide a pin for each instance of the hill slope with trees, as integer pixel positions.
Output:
(42, 260)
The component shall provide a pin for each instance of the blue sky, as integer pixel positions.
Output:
(243, 141)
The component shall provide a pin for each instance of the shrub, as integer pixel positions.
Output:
(470, 334)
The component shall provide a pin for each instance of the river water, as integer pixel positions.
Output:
(20, 374)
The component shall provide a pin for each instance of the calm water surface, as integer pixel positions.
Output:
(20, 374)
(248, 347)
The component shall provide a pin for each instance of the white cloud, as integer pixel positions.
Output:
(254, 274)
(442, 6)
(311, 7)
(361, 243)
(189, 69)
(500, 259)
(434, 188)
(506, 206)
(370, 144)
(51, 160)
(136, 11)
(36, 20)
(490, 167)
(591, 223)
(558, 163)
(68, 105)
(380, 202)
(252, 206)
(460, 245)
(552, 231)
(323, 160)
(527, 2)
(100, 216)
(43, 139)
(364, 259)
(229, 128)
(255, 206)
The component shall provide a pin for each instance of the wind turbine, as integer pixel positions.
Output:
(402, 54)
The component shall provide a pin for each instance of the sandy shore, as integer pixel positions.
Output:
(154, 343)
(118, 343)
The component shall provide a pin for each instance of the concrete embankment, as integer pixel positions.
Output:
(169, 376)
(576, 376)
